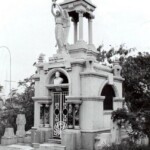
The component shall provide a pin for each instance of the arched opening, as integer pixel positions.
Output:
(58, 85)
(109, 93)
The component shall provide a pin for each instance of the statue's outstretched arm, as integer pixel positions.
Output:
(66, 14)
(61, 10)
(52, 9)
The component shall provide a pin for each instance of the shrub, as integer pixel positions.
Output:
(127, 146)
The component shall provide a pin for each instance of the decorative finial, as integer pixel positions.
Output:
(41, 58)
(116, 67)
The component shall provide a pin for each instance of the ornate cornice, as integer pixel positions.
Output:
(78, 63)
(94, 131)
(47, 99)
(36, 77)
(74, 2)
(103, 68)
(100, 98)
(52, 86)
(73, 100)
(118, 99)
(120, 79)
(107, 112)
(93, 74)
(78, 100)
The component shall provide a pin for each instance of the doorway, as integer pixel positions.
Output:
(60, 113)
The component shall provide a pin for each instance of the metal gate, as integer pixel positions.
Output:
(60, 121)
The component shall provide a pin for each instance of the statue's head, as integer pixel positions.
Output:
(57, 74)
(57, 13)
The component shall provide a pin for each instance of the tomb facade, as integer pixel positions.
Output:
(74, 93)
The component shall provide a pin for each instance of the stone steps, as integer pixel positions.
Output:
(16, 147)
(54, 141)
(51, 147)
(45, 146)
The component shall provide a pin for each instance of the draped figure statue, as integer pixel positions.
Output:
(62, 26)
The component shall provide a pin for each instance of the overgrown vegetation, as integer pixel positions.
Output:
(125, 146)
(136, 71)
(18, 103)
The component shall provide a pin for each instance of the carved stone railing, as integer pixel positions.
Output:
(73, 112)
(44, 115)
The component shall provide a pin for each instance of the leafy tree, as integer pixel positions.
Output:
(18, 103)
(136, 71)
(26, 101)
(107, 57)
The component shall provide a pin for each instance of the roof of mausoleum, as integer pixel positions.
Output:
(67, 1)
(70, 1)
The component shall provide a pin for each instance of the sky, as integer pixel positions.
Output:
(27, 29)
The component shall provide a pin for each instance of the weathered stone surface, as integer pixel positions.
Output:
(76, 133)
(20, 147)
(42, 136)
(35, 145)
(35, 136)
(16, 147)
(51, 147)
(8, 148)
(9, 137)
(20, 139)
(27, 139)
(8, 141)
(48, 134)
(85, 80)
(20, 121)
(88, 140)
(9, 133)
(69, 140)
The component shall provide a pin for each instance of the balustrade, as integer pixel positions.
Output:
(73, 116)
(44, 115)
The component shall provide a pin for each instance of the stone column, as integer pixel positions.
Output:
(41, 115)
(36, 114)
(90, 29)
(75, 32)
(80, 12)
(76, 116)
(74, 109)
(75, 22)
(70, 116)
(46, 116)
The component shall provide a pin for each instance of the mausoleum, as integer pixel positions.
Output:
(74, 93)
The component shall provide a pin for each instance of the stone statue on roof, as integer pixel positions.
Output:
(62, 26)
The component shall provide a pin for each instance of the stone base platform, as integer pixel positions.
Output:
(51, 147)
(44, 146)
(16, 147)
